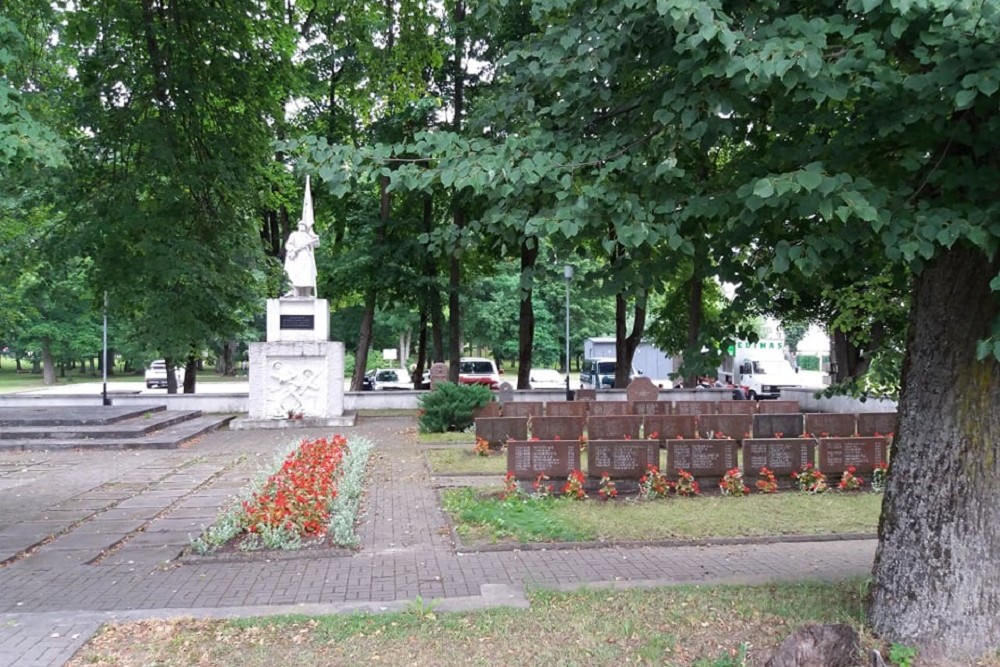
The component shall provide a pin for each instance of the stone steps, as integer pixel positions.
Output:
(96, 415)
(173, 431)
(136, 427)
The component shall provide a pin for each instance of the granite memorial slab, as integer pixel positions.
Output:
(557, 428)
(782, 456)
(736, 407)
(731, 426)
(523, 409)
(438, 374)
(497, 430)
(528, 459)
(650, 407)
(876, 423)
(614, 427)
(830, 424)
(491, 409)
(694, 407)
(621, 459)
(835, 454)
(505, 392)
(707, 460)
(566, 409)
(670, 427)
(778, 425)
(607, 408)
(642, 389)
(777, 407)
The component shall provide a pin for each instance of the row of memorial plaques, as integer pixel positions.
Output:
(641, 407)
(704, 459)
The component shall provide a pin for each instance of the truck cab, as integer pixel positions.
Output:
(761, 379)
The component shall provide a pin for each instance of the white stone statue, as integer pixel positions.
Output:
(300, 259)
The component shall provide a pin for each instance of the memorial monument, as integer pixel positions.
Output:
(297, 376)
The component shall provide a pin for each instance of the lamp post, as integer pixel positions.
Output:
(104, 352)
(568, 275)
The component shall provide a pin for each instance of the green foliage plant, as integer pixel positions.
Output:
(901, 655)
(450, 406)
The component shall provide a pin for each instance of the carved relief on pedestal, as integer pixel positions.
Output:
(294, 390)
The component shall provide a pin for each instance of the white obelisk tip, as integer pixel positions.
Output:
(307, 206)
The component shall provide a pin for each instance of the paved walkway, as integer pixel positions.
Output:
(88, 537)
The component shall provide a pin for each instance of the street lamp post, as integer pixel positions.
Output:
(568, 275)
(104, 351)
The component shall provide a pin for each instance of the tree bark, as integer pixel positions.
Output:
(48, 364)
(696, 307)
(526, 319)
(171, 376)
(190, 374)
(454, 306)
(365, 333)
(937, 569)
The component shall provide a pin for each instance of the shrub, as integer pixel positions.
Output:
(450, 406)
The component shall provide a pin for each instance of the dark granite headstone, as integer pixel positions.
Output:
(438, 374)
(650, 407)
(523, 409)
(777, 407)
(585, 394)
(830, 424)
(528, 459)
(565, 409)
(506, 392)
(782, 456)
(770, 425)
(735, 407)
(669, 427)
(872, 423)
(705, 459)
(606, 408)
(730, 426)
(491, 409)
(835, 454)
(614, 427)
(621, 459)
(642, 389)
(694, 408)
(496, 430)
(557, 428)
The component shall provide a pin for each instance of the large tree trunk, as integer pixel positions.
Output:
(171, 376)
(696, 307)
(48, 363)
(190, 374)
(364, 341)
(454, 308)
(937, 568)
(526, 319)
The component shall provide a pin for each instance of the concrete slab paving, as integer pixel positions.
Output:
(53, 599)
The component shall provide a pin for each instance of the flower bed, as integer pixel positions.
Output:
(311, 494)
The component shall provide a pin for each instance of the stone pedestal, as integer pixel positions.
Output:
(298, 319)
(297, 376)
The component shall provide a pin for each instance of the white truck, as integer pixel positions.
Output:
(761, 369)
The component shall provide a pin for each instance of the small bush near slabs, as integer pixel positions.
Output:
(450, 406)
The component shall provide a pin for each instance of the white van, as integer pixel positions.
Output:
(599, 373)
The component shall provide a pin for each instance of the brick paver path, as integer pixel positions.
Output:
(87, 537)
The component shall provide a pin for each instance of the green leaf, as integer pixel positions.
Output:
(764, 188)
(964, 98)
(810, 180)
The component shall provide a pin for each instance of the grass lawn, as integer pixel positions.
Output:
(483, 519)
(449, 438)
(717, 626)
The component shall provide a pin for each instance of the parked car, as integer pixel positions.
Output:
(386, 378)
(477, 370)
(156, 374)
(546, 378)
(599, 373)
